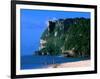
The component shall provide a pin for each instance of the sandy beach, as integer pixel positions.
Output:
(84, 63)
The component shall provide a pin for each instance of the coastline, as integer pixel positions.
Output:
(84, 63)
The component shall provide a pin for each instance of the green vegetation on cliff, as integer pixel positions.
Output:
(67, 34)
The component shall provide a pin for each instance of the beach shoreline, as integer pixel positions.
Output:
(83, 63)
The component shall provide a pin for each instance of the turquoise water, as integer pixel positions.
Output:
(34, 62)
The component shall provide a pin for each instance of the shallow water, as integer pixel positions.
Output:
(34, 62)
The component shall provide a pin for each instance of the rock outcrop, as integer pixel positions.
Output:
(67, 34)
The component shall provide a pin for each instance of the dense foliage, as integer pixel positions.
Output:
(68, 34)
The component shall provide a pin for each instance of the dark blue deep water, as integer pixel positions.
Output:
(34, 62)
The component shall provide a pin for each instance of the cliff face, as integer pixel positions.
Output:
(64, 35)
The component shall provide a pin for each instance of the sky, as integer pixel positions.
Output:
(33, 24)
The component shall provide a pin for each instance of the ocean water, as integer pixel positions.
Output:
(35, 62)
